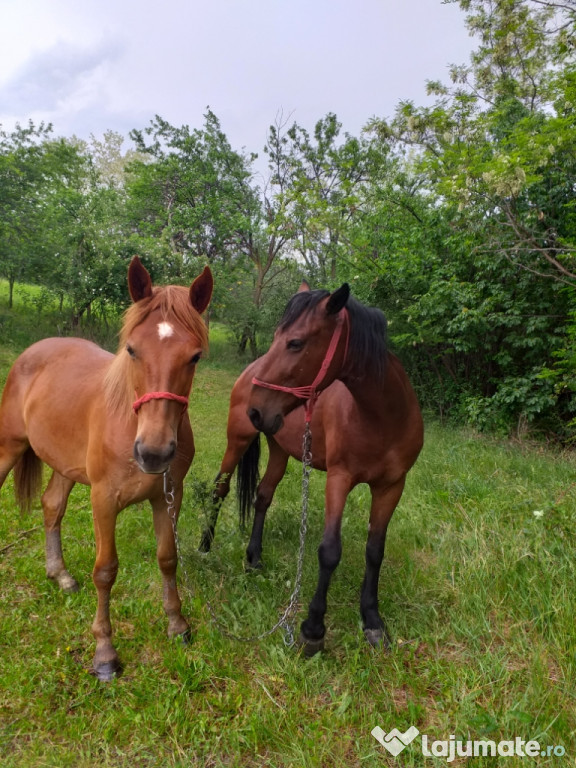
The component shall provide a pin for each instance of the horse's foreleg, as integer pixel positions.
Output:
(275, 470)
(54, 502)
(106, 663)
(168, 562)
(383, 505)
(338, 487)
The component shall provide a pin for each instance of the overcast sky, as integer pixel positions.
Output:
(92, 65)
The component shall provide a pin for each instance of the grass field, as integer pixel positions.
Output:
(478, 589)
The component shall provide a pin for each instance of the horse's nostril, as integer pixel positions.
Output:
(137, 450)
(265, 424)
(255, 417)
(170, 451)
(277, 424)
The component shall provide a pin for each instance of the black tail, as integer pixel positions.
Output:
(247, 480)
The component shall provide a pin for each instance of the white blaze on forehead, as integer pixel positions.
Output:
(165, 330)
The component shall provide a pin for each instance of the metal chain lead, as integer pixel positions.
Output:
(170, 500)
(286, 621)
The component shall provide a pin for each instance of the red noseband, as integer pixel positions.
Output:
(158, 396)
(310, 393)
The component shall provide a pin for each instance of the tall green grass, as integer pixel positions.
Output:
(477, 589)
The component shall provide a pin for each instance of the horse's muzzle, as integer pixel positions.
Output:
(269, 425)
(154, 461)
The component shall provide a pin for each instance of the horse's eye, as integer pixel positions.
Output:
(295, 345)
(195, 359)
(130, 350)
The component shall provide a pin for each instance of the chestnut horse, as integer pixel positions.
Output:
(366, 428)
(115, 423)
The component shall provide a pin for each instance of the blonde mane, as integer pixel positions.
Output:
(173, 302)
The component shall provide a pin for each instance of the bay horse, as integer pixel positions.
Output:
(116, 423)
(366, 427)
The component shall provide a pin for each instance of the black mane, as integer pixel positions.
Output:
(367, 343)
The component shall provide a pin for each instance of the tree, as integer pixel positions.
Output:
(315, 187)
(21, 179)
(85, 248)
(193, 193)
(501, 141)
(109, 160)
(60, 219)
(194, 199)
(497, 153)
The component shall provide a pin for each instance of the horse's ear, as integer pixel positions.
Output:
(304, 286)
(139, 282)
(201, 290)
(338, 299)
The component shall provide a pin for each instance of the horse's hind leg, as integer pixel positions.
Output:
(54, 501)
(236, 448)
(13, 440)
(10, 453)
(383, 505)
(275, 470)
(221, 490)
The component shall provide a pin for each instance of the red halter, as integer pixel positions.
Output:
(310, 393)
(158, 396)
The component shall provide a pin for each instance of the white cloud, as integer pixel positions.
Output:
(62, 76)
(97, 64)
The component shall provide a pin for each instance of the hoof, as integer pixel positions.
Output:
(378, 638)
(66, 582)
(308, 647)
(251, 567)
(69, 585)
(185, 638)
(107, 671)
